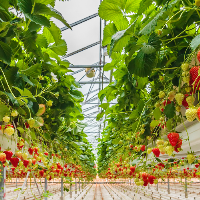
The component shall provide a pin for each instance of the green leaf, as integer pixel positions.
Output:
(33, 136)
(195, 42)
(134, 114)
(5, 53)
(41, 41)
(60, 48)
(157, 113)
(154, 123)
(43, 9)
(158, 159)
(55, 32)
(100, 115)
(170, 110)
(25, 6)
(169, 124)
(46, 2)
(134, 126)
(33, 26)
(141, 105)
(108, 66)
(47, 136)
(132, 5)
(109, 31)
(3, 25)
(33, 71)
(104, 105)
(143, 64)
(110, 12)
(39, 19)
(4, 110)
(21, 130)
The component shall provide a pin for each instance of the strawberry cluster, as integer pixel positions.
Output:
(175, 141)
(156, 152)
(195, 78)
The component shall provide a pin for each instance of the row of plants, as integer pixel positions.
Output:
(154, 47)
(39, 103)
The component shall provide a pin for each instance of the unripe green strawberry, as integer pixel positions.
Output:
(197, 3)
(31, 122)
(14, 113)
(187, 89)
(161, 94)
(185, 66)
(159, 142)
(190, 158)
(178, 108)
(179, 98)
(171, 95)
(190, 100)
(155, 181)
(191, 114)
(9, 130)
(169, 150)
(49, 103)
(157, 105)
(6, 119)
(186, 80)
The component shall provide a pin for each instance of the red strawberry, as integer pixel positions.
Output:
(173, 138)
(142, 148)
(45, 153)
(156, 152)
(36, 149)
(198, 113)
(8, 154)
(132, 169)
(41, 173)
(197, 165)
(151, 179)
(30, 150)
(198, 56)
(26, 162)
(184, 102)
(178, 145)
(194, 78)
(168, 102)
(14, 161)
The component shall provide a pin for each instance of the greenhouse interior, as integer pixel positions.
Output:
(99, 99)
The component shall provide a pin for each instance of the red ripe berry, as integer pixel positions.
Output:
(198, 113)
(194, 78)
(184, 102)
(178, 145)
(197, 165)
(198, 56)
(173, 138)
(156, 152)
(142, 148)
(45, 153)
(132, 169)
(26, 125)
(30, 150)
(26, 162)
(41, 172)
(168, 102)
(14, 161)
(8, 154)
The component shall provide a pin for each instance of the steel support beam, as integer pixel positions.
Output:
(80, 21)
(82, 49)
(90, 82)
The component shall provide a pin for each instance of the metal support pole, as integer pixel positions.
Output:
(62, 196)
(16, 182)
(157, 187)
(168, 187)
(186, 193)
(75, 186)
(79, 185)
(2, 183)
(70, 189)
(35, 184)
(45, 188)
